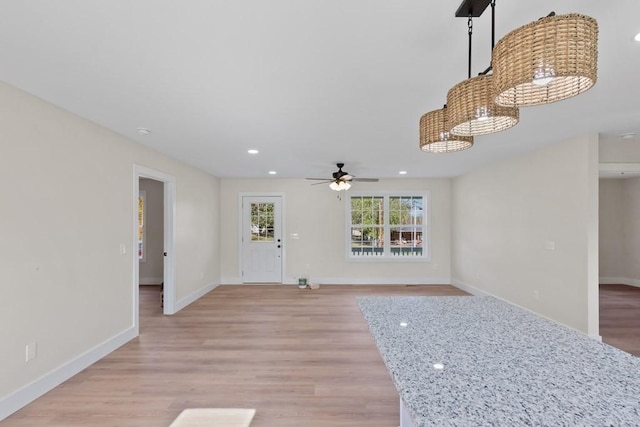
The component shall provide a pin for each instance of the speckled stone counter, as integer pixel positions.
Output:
(500, 365)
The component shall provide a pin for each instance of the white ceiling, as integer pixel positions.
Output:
(306, 82)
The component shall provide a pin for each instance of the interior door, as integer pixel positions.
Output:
(262, 244)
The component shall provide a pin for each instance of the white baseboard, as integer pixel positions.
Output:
(471, 289)
(30, 392)
(380, 280)
(480, 293)
(619, 281)
(151, 280)
(357, 281)
(195, 296)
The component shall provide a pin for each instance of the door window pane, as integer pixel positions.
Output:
(262, 226)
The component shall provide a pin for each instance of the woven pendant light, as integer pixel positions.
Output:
(548, 60)
(435, 136)
(473, 111)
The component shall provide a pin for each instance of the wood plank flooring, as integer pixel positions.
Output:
(620, 317)
(300, 357)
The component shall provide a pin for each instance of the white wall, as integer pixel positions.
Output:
(505, 215)
(620, 231)
(67, 207)
(316, 214)
(151, 267)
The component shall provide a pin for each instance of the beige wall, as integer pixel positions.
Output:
(612, 252)
(619, 151)
(620, 231)
(151, 267)
(67, 207)
(316, 214)
(506, 219)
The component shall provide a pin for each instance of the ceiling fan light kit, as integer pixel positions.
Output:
(548, 60)
(341, 180)
(435, 136)
(339, 185)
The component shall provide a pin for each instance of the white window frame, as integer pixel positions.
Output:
(387, 257)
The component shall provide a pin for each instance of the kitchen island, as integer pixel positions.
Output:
(476, 361)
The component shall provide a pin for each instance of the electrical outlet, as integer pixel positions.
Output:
(31, 351)
(536, 295)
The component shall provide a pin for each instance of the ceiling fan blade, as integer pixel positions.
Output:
(342, 177)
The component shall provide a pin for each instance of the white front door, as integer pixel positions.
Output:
(262, 239)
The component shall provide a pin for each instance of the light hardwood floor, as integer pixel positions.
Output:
(620, 317)
(300, 357)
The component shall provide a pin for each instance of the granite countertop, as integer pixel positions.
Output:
(501, 365)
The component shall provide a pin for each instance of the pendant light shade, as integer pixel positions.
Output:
(548, 60)
(435, 136)
(472, 109)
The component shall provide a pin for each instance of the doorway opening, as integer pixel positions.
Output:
(154, 259)
(150, 247)
(619, 231)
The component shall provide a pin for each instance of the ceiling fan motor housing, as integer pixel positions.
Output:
(340, 173)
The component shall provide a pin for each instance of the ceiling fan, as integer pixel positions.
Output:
(341, 179)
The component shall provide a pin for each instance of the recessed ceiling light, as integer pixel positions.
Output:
(144, 131)
(637, 37)
(628, 135)
(402, 172)
(272, 172)
(252, 151)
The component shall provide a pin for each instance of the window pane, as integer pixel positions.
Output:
(405, 210)
(367, 241)
(416, 213)
(367, 210)
(406, 241)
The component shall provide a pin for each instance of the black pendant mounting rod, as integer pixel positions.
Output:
(493, 34)
(470, 31)
(493, 24)
(472, 9)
